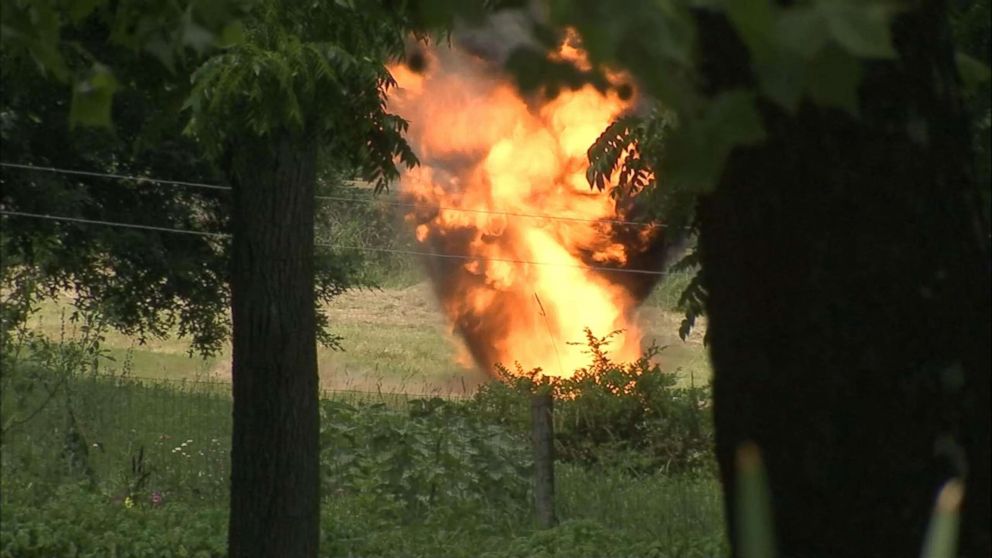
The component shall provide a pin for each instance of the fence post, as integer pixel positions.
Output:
(543, 436)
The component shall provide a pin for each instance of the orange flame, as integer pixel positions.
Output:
(502, 180)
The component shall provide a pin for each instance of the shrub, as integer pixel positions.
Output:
(632, 415)
(434, 462)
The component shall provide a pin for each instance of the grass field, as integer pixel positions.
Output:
(395, 341)
(85, 483)
(81, 470)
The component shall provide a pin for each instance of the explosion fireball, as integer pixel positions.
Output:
(531, 251)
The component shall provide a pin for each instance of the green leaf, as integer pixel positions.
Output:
(808, 64)
(755, 536)
(732, 115)
(440, 13)
(942, 534)
(196, 37)
(973, 72)
(782, 77)
(50, 60)
(678, 33)
(35, 29)
(862, 30)
(232, 34)
(833, 80)
(163, 52)
(802, 30)
(79, 9)
(699, 147)
(754, 20)
(92, 98)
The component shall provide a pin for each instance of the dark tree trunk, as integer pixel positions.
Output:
(274, 453)
(847, 264)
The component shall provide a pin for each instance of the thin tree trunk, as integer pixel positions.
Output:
(847, 264)
(274, 452)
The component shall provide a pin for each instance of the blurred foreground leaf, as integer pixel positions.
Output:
(755, 537)
(942, 535)
(92, 98)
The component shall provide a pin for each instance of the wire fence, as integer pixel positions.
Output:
(121, 427)
(222, 388)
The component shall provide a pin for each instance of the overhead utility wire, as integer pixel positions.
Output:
(506, 260)
(57, 170)
(116, 176)
(334, 246)
(494, 212)
(109, 223)
(340, 198)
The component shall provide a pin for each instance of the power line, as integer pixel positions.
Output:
(115, 176)
(110, 223)
(407, 205)
(335, 246)
(495, 212)
(505, 260)
(135, 178)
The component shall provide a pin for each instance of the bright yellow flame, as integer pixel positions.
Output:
(486, 149)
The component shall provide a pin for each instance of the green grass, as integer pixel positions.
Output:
(114, 420)
(395, 341)
(167, 358)
(149, 363)
(660, 507)
(183, 429)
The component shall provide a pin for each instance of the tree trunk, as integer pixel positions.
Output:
(274, 452)
(847, 265)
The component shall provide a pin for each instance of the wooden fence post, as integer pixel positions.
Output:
(543, 436)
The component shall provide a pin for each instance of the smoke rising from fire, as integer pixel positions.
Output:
(503, 180)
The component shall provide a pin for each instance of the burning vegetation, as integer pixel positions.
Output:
(529, 253)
